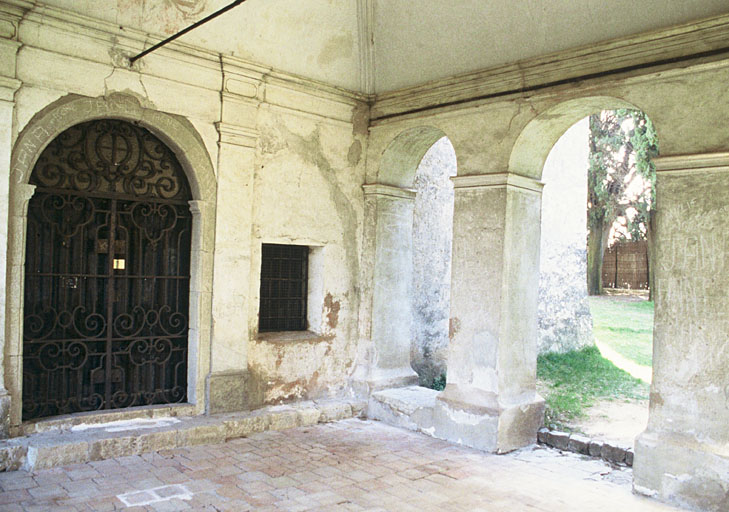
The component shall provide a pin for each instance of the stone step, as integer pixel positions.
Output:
(409, 407)
(80, 443)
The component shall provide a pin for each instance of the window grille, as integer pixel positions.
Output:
(284, 275)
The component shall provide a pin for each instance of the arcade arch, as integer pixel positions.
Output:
(391, 202)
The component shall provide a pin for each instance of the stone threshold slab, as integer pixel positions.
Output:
(409, 407)
(81, 443)
(584, 445)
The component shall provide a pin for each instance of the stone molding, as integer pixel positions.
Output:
(366, 23)
(178, 134)
(11, 11)
(8, 87)
(379, 189)
(680, 164)
(498, 180)
(70, 110)
(660, 45)
(242, 80)
(237, 135)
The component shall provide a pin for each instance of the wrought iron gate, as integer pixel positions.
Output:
(107, 273)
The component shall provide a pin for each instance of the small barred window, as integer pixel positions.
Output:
(284, 275)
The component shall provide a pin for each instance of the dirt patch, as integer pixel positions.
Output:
(618, 422)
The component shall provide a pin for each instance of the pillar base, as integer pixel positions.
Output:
(680, 470)
(229, 392)
(480, 421)
(4, 414)
(380, 379)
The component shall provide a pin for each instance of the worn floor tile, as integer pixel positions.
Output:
(351, 465)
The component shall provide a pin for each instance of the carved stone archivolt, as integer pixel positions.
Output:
(116, 165)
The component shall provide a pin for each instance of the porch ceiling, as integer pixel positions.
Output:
(382, 45)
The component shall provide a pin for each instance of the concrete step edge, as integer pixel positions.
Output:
(59, 448)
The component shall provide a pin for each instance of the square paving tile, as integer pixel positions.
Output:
(349, 465)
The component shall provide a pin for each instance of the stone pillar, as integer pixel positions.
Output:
(201, 296)
(9, 17)
(228, 379)
(490, 400)
(391, 322)
(13, 322)
(683, 456)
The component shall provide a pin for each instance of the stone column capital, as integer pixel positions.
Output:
(8, 86)
(497, 180)
(381, 190)
(21, 194)
(237, 135)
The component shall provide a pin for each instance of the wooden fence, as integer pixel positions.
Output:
(625, 265)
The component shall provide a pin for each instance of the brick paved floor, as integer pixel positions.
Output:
(349, 465)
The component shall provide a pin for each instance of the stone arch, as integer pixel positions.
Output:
(390, 204)
(536, 140)
(529, 155)
(402, 156)
(182, 138)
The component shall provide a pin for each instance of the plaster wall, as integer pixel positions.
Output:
(300, 150)
(317, 39)
(564, 317)
(308, 192)
(432, 236)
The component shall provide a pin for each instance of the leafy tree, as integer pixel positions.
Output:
(621, 144)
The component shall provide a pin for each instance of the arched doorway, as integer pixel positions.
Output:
(107, 273)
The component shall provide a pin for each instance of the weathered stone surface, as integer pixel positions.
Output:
(432, 236)
(227, 391)
(283, 419)
(110, 447)
(209, 432)
(543, 435)
(682, 456)
(677, 468)
(359, 408)
(595, 448)
(564, 316)
(579, 444)
(629, 455)
(334, 410)
(12, 457)
(256, 421)
(559, 440)
(613, 453)
(409, 407)
(308, 413)
(54, 452)
(4, 398)
(154, 441)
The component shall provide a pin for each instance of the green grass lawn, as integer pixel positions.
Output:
(575, 380)
(625, 326)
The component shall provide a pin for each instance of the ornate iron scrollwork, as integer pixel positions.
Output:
(107, 273)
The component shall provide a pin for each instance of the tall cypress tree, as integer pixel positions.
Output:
(621, 144)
